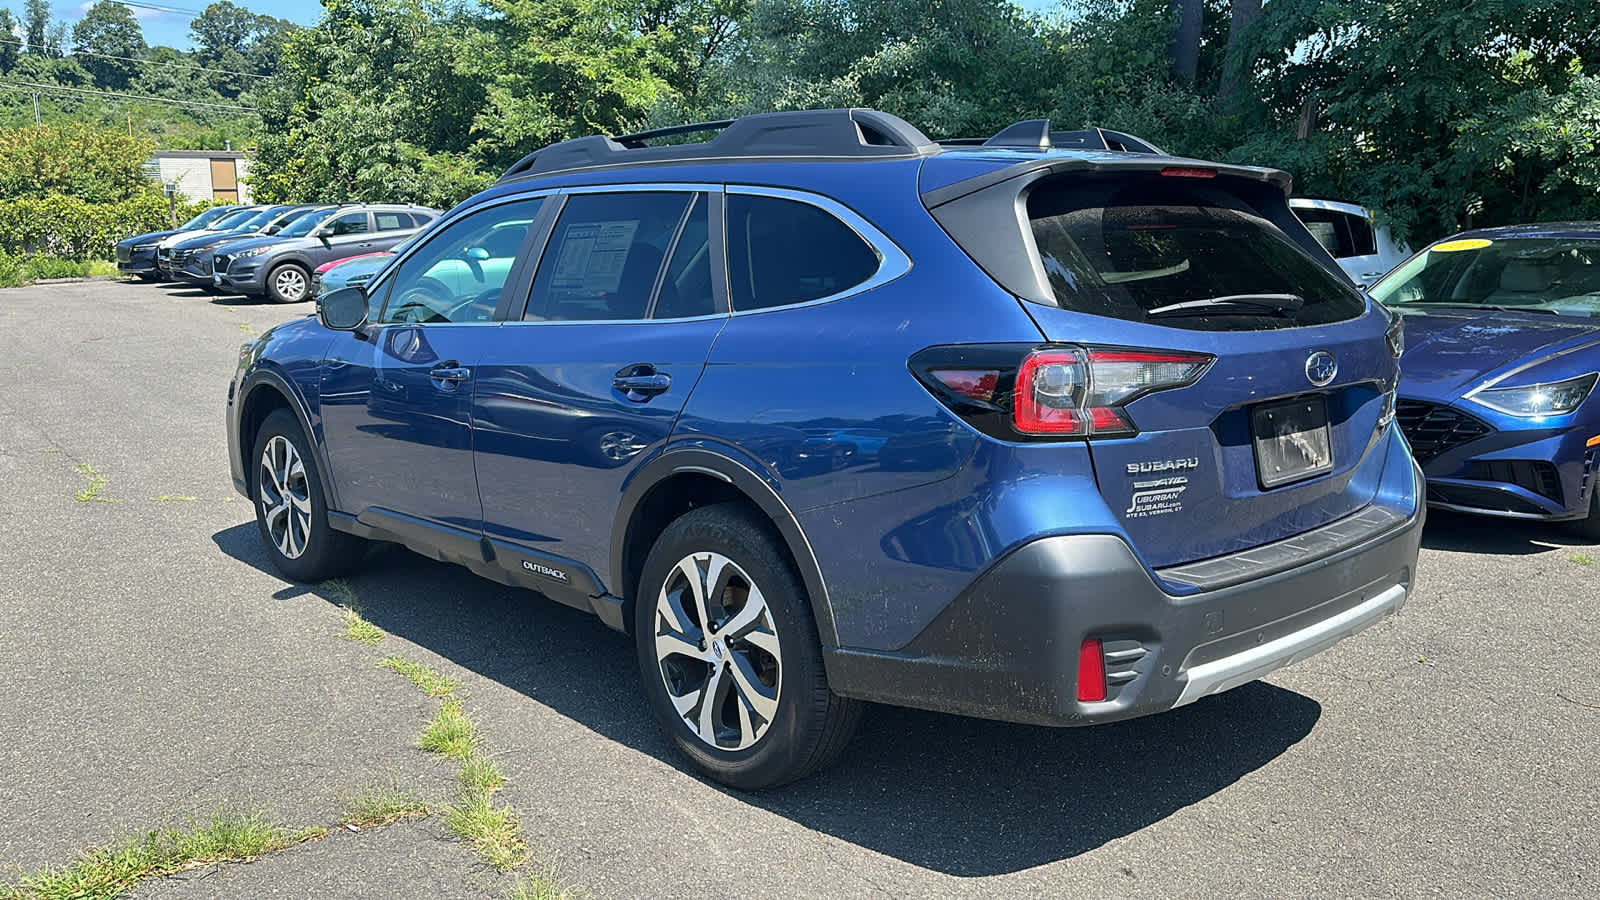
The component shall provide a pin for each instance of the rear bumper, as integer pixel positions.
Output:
(1007, 648)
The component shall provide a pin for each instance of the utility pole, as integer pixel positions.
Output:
(36, 119)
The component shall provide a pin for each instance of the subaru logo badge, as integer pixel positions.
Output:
(1321, 367)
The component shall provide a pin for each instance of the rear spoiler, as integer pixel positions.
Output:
(987, 214)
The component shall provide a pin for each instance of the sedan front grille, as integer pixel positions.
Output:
(1433, 430)
(219, 263)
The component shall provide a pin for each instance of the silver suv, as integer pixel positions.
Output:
(280, 266)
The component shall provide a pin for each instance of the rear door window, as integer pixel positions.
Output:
(1120, 250)
(605, 254)
(782, 252)
(392, 221)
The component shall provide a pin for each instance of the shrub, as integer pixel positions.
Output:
(41, 267)
(75, 159)
(11, 274)
(59, 225)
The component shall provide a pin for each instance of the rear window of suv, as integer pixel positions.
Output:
(1121, 250)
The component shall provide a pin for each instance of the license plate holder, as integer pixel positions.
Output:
(1291, 441)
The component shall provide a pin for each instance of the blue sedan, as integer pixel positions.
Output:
(1502, 327)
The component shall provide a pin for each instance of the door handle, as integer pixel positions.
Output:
(641, 382)
(450, 373)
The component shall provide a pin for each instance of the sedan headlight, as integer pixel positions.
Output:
(253, 251)
(1535, 400)
(149, 246)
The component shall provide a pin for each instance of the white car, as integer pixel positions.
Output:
(1365, 252)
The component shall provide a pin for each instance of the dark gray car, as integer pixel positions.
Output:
(280, 266)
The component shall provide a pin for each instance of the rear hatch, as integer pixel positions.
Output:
(1276, 434)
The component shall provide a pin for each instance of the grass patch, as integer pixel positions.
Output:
(98, 267)
(111, 871)
(359, 630)
(541, 886)
(376, 806)
(480, 775)
(356, 628)
(492, 830)
(1583, 559)
(91, 492)
(426, 680)
(450, 733)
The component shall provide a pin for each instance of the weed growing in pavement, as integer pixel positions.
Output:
(1583, 559)
(172, 498)
(480, 775)
(492, 830)
(96, 482)
(230, 835)
(450, 733)
(356, 628)
(245, 327)
(542, 886)
(381, 805)
(426, 680)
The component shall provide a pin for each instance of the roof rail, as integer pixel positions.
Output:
(811, 133)
(1035, 134)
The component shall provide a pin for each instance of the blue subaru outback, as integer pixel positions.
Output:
(1050, 428)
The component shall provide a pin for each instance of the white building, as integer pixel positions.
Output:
(203, 175)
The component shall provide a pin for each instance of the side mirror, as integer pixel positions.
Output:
(343, 310)
(476, 254)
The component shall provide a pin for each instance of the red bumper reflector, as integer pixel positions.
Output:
(1091, 672)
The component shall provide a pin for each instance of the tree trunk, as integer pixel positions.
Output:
(1187, 17)
(1236, 61)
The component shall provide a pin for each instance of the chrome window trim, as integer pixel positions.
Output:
(893, 262)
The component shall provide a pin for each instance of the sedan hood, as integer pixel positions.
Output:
(1450, 351)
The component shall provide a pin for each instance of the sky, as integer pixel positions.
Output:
(166, 22)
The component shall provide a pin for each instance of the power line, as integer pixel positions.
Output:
(175, 10)
(153, 62)
(56, 90)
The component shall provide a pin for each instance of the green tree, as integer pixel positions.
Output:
(108, 30)
(233, 38)
(36, 25)
(10, 45)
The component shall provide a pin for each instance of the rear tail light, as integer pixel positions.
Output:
(1021, 392)
(1188, 172)
(1091, 671)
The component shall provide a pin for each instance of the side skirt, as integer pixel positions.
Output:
(566, 581)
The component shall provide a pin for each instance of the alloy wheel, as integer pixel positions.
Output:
(290, 283)
(285, 497)
(717, 651)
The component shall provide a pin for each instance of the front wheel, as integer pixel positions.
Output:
(730, 655)
(289, 283)
(290, 512)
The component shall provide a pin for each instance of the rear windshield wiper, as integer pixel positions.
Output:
(1231, 305)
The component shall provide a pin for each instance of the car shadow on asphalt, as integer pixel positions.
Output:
(950, 794)
(1461, 533)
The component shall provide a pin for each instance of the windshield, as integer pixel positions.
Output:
(1560, 275)
(255, 222)
(207, 217)
(302, 226)
(236, 220)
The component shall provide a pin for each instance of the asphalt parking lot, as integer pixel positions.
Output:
(157, 670)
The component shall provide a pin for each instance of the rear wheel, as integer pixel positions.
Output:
(289, 283)
(730, 655)
(290, 512)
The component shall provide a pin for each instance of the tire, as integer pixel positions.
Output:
(289, 283)
(774, 719)
(149, 277)
(291, 514)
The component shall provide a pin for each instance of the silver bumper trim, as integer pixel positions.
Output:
(1241, 668)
